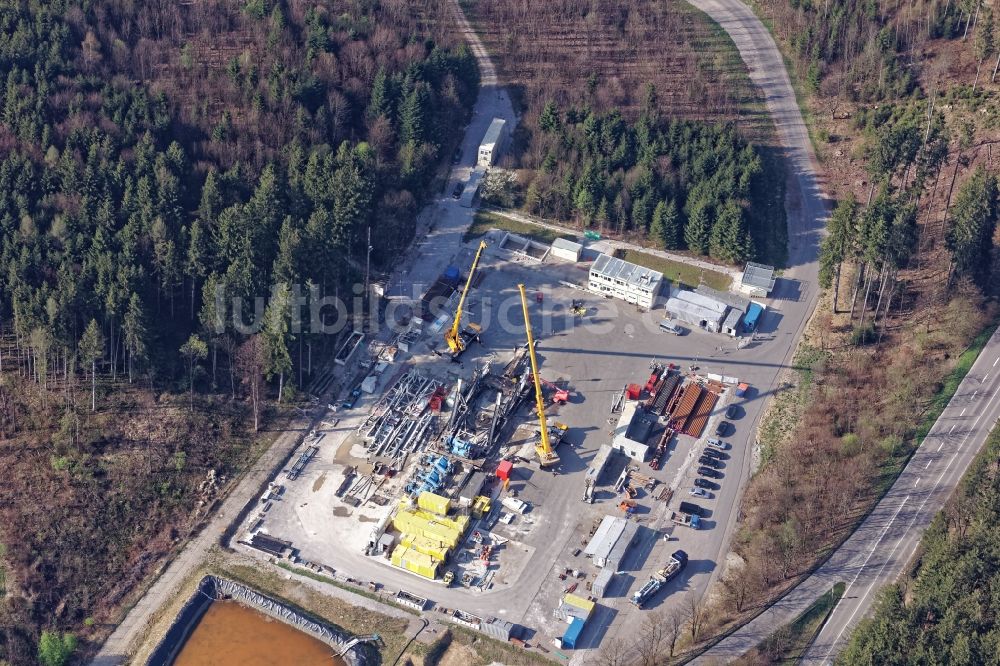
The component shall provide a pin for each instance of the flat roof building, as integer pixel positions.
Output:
(605, 538)
(615, 277)
(698, 310)
(757, 280)
(634, 426)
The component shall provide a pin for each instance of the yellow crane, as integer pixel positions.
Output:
(546, 455)
(453, 336)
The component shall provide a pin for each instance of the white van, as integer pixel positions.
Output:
(717, 444)
(669, 326)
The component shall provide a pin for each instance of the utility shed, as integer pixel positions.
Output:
(472, 188)
(610, 276)
(566, 250)
(757, 280)
(472, 488)
(493, 143)
(731, 326)
(605, 538)
(496, 628)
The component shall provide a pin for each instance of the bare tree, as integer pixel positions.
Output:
(250, 366)
(652, 643)
(695, 615)
(614, 653)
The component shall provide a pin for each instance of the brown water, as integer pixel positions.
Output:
(230, 634)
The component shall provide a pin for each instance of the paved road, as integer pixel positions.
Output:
(795, 296)
(877, 552)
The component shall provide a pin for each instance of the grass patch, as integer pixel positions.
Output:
(788, 404)
(485, 220)
(789, 643)
(344, 586)
(678, 272)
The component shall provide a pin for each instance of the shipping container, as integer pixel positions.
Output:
(573, 632)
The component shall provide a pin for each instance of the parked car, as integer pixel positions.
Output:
(698, 492)
(732, 411)
(712, 453)
(723, 428)
(352, 399)
(704, 483)
(718, 444)
(669, 326)
(709, 472)
(457, 192)
(709, 462)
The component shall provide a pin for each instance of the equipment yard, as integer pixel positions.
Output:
(430, 475)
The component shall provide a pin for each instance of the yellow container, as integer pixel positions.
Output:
(434, 503)
(437, 550)
(411, 560)
(579, 602)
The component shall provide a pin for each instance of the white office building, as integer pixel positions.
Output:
(493, 143)
(631, 283)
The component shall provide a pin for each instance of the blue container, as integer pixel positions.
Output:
(572, 635)
(451, 274)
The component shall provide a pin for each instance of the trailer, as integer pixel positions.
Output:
(674, 566)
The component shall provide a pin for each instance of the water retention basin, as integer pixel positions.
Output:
(243, 619)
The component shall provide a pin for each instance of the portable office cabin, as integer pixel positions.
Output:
(493, 143)
(610, 276)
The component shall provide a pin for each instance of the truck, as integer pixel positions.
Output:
(674, 566)
(689, 507)
(685, 519)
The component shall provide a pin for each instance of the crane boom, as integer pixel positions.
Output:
(546, 455)
(452, 336)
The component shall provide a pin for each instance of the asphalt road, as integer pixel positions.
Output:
(795, 295)
(878, 551)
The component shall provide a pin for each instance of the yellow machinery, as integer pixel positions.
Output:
(457, 339)
(546, 455)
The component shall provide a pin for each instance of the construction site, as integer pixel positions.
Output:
(509, 450)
